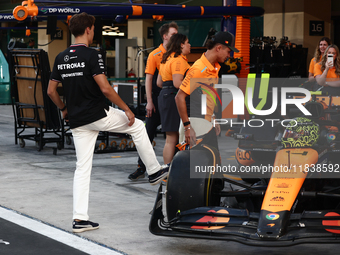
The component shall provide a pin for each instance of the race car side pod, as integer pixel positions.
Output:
(28, 8)
(283, 188)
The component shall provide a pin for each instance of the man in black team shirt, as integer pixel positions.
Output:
(81, 72)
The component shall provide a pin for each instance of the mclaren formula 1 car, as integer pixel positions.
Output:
(297, 201)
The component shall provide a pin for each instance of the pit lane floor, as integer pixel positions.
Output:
(37, 186)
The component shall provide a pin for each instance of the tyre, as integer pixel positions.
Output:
(39, 144)
(22, 143)
(131, 144)
(102, 146)
(122, 145)
(186, 192)
(113, 144)
(60, 145)
(68, 140)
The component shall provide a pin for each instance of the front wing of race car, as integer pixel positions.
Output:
(221, 223)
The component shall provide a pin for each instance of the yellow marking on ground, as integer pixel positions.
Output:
(116, 156)
(232, 177)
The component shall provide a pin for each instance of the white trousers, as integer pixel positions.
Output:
(85, 137)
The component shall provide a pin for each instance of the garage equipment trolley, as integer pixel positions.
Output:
(32, 107)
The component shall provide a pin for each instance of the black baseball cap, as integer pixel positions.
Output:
(226, 39)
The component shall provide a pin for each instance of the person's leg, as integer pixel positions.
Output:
(116, 121)
(170, 146)
(151, 125)
(84, 142)
(151, 128)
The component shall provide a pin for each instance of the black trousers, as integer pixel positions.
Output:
(151, 125)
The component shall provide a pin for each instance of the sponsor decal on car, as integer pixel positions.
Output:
(281, 199)
(283, 185)
(272, 216)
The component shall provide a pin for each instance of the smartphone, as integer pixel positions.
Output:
(330, 59)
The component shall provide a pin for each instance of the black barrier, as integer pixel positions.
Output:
(280, 60)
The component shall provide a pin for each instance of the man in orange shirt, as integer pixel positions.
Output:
(152, 91)
(206, 68)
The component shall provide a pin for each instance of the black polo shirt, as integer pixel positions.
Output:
(75, 68)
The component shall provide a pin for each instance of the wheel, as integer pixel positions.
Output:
(122, 146)
(153, 143)
(131, 144)
(124, 141)
(40, 145)
(60, 145)
(102, 146)
(22, 143)
(68, 140)
(113, 144)
(186, 192)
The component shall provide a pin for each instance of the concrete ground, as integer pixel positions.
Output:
(38, 185)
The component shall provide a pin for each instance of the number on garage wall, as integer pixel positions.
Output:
(316, 28)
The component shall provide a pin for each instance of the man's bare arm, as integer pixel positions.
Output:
(150, 107)
(53, 94)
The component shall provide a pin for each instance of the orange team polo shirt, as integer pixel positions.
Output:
(177, 65)
(154, 59)
(312, 65)
(202, 68)
(330, 74)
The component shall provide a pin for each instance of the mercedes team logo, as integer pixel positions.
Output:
(66, 58)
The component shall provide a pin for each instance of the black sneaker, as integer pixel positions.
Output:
(139, 173)
(84, 225)
(160, 175)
